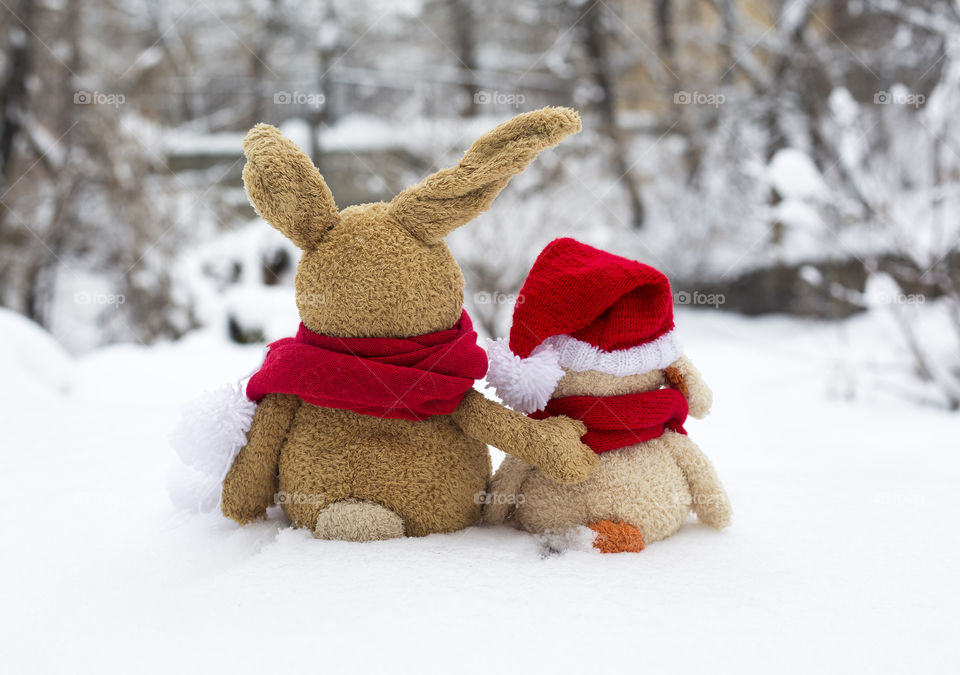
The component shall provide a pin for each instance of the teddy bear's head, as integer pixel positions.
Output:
(382, 269)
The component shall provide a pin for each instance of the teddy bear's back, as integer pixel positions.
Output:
(640, 484)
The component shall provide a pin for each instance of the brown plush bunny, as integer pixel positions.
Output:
(367, 425)
(594, 339)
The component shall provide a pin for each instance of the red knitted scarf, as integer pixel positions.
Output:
(400, 378)
(618, 421)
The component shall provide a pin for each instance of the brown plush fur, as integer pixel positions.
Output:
(453, 197)
(651, 486)
(253, 476)
(382, 270)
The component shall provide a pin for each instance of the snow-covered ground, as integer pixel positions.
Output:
(843, 554)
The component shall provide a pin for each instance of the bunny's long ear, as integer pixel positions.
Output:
(452, 197)
(285, 187)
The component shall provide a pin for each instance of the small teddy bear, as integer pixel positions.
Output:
(593, 339)
(366, 424)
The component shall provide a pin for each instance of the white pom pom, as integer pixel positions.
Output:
(193, 491)
(523, 384)
(213, 429)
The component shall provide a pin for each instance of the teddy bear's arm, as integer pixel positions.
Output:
(251, 483)
(710, 501)
(683, 376)
(552, 444)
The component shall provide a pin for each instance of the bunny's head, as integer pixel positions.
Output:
(383, 269)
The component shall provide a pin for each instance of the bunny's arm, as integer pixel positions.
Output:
(552, 444)
(710, 501)
(251, 483)
(683, 376)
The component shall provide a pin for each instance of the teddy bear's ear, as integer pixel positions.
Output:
(452, 197)
(285, 187)
(683, 376)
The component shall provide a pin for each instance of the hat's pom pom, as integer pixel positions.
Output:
(212, 430)
(523, 384)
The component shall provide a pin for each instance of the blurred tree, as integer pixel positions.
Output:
(594, 29)
(690, 107)
(464, 27)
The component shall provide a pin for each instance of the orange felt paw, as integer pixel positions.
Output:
(614, 537)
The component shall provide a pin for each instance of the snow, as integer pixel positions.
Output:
(32, 362)
(842, 556)
(794, 174)
(799, 215)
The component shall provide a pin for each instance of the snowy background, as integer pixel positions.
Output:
(792, 165)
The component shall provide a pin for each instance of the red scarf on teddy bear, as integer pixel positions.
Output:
(399, 378)
(618, 421)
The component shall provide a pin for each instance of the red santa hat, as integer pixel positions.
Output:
(583, 309)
